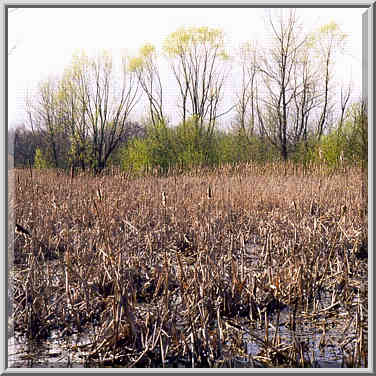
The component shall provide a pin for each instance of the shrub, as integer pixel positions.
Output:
(39, 160)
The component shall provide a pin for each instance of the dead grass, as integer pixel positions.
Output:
(180, 269)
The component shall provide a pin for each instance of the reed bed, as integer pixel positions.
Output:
(208, 268)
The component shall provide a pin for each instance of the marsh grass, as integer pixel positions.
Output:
(190, 269)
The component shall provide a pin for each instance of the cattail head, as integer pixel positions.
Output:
(209, 191)
(343, 209)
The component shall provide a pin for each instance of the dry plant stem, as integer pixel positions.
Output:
(177, 269)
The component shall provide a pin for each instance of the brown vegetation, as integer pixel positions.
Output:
(196, 269)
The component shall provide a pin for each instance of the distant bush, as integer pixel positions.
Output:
(154, 150)
(39, 160)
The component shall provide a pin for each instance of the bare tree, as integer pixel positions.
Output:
(43, 119)
(197, 57)
(276, 67)
(294, 99)
(246, 97)
(84, 116)
(345, 97)
(106, 103)
(146, 68)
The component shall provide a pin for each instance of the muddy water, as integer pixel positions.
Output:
(54, 353)
(321, 351)
(65, 352)
(310, 334)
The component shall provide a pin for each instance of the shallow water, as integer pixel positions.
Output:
(63, 352)
(57, 351)
(309, 333)
(54, 353)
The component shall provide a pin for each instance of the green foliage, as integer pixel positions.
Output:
(228, 149)
(306, 151)
(155, 150)
(146, 55)
(236, 146)
(347, 144)
(330, 150)
(39, 160)
(189, 145)
(161, 146)
(355, 132)
(147, 50)
(194, 144)
(136, 156)
(135, 63)
(80, 152)
(233, 147)
(185, 146)
(180, 41)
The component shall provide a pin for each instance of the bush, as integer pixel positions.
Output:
(135, 156)
(155, 150)
(39, 160)
(195, 145)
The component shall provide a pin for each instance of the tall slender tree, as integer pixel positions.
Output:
(198, 58)
(145, 66)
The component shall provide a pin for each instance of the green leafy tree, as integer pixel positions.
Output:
(155, 150)
(355, 133)
(190, 147)
(161, 146)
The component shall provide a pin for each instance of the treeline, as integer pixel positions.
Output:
(161, 147)
(184, 146)
(286, 102)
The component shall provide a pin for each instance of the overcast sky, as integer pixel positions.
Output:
(46, 38)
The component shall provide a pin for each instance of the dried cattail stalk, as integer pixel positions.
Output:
(343, 210)
(72, 173)
(218, 276)
(99, 194)
(31, 170)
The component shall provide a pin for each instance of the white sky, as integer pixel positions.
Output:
(46, 38)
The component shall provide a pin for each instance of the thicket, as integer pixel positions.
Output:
(184, 146)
